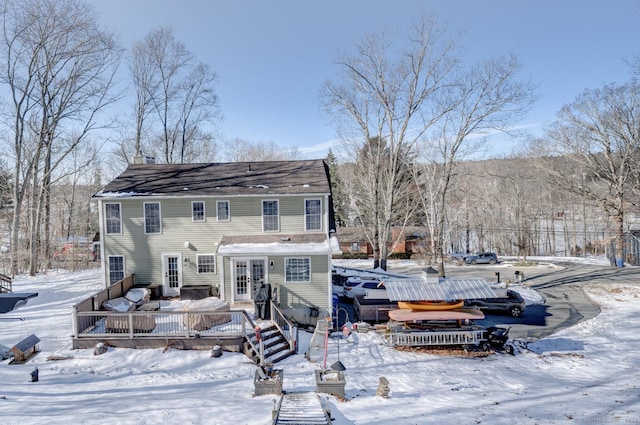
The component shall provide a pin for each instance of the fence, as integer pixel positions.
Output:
(6, 285)
(434, 338)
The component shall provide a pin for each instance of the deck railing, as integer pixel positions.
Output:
(161, 324)
(5, 284)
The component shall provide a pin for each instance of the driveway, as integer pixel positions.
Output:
(562, 286)
(560, 283)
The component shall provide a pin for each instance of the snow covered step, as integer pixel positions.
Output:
(301, 409)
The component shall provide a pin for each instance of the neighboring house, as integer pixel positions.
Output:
(354, 240)
(230, 226)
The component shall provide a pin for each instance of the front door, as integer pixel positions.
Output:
(248, 275)
(171, 274)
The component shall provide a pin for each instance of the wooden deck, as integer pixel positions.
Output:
(158, 329)
(151, 327)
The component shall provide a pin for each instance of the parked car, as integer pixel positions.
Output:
(510, 302)
(481, 258)
(373, 288)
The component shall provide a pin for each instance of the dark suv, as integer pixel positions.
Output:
(511, 303)
(481, 258)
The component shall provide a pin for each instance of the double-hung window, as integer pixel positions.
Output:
(270, 216)
(206, 263)
(298, 269)
(197, 211)
(312, 214)
(152, 221)
(112, 219)
(116, 268)
(222, 210)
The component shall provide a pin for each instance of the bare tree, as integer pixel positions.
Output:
(146, 86)
(487, 97)
(239, 150)
(598, 135)
(387, 95)
(179, 91)
(59, 68)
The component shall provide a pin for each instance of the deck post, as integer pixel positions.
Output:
(74, 321)
(131, 330)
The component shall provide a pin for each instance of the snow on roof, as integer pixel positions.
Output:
(307, 243)
(275, 248)
(129, 194)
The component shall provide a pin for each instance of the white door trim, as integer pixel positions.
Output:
(168, 276)
(248, 296)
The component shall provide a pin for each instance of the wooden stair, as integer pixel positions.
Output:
(276, 346)
(301, 409)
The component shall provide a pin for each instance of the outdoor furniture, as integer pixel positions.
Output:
(195, 292)
(203, 321)
(120, 323)
(150, 306)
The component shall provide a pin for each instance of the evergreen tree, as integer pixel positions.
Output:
(340, 204)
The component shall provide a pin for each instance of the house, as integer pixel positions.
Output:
(229, 227)
(410, 239)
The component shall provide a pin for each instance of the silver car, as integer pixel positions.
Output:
(481, 258)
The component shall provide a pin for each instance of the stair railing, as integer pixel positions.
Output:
(250, 330)
(285, 326)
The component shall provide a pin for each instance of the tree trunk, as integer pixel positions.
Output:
(619, 241)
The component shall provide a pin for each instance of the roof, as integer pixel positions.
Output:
(220, 179)
(358, 234)
(313, 243)
(444, 290)
(26, 343)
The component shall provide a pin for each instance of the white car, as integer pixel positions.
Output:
(371, 288)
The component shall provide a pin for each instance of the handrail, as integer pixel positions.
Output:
(248, 334)
(285, 326)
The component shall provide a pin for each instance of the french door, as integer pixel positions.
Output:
(248, 275)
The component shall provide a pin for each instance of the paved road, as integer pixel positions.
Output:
(561, 284)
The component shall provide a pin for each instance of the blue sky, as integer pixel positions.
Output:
(273, 56)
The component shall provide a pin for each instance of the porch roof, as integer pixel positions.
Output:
(444, 290)
(313, 243)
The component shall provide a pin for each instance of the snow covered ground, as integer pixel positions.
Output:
(582, 375)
